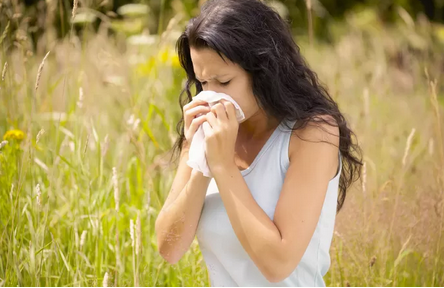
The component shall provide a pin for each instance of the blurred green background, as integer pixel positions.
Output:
(37, 16)
(88, 112)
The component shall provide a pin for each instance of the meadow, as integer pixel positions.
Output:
(88, 125)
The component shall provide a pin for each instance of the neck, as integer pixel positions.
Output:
(257, 127)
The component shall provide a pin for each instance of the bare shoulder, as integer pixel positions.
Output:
(315, 137)
(317, 131)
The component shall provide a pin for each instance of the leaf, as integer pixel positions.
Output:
(41, 249)
(401, 256)
(64, 259)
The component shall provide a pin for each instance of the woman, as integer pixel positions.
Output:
(267, 216)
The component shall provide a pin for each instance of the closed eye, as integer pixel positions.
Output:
(223, 84)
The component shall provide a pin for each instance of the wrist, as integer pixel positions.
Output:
(223, 168)
(185, 144)
(197, 174)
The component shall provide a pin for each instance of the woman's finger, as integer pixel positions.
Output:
(231, 110)
(211, 119)
(194, 103)
(196, 122)
(220, 112)
(207, 129)
(196, 112)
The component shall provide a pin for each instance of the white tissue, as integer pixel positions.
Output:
(197, 158)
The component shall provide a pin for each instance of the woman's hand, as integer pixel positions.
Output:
(220, 130)
(192, 121)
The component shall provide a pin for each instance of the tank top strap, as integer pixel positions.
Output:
(283, 138)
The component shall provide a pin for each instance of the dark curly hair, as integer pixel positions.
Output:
(253, 35)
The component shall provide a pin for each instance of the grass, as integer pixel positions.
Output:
(81, 189)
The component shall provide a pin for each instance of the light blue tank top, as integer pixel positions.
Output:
(227, 262)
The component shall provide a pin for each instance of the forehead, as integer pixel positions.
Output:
(208, 61)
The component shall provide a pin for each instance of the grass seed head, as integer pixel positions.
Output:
(39, 71)
(4, 71)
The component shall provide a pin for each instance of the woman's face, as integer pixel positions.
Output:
(229, 78)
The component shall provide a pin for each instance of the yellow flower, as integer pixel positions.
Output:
(163, 55)
(169, 56)
(175, 61)
(14, 134)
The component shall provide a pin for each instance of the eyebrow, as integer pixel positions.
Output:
(215, 76)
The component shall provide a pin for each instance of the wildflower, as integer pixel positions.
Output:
(175, 60)
(136, 124)
(14, 134)
(168, 56)
(130, 121)
(133, 122)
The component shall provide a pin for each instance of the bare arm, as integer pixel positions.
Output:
(177, 221)
(182, 176)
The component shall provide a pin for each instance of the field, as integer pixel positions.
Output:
(90, 121)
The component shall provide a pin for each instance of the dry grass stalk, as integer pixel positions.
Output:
(116, 188)
(41, 132)
(12, 191)
(74, 8)
(105, 280)
(118, 263)
(364, 177)
(4, 71)
(310, 20)
(39, 194)
(105, 145)
(5, 32)
(138, 234)
(86, 145)
(435, 104)
(132, 232)
(39, 72)
(431, 146)
(80, 102)
(148, 201)
(407, 148)
(82, 239)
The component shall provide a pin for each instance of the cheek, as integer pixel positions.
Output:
(242, 93)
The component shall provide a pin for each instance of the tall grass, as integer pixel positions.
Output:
(80, 191)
